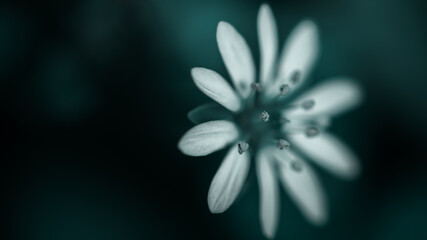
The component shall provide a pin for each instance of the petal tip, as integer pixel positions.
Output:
(320, 220)
(180, 146)
(269, 233)
(196, 71)
(265, 7)
(222, 25)
(272, 236)
(319, 217)
(309, 24)
(309, 27)
(183, 149)
(214, 206)
(214, 210)
(224, 29)
(357, 89)
(353, 172)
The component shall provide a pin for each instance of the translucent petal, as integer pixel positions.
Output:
(267, 35)
(304, 188)
(330, 98)
(300, 51)
(228, 180)
(215, 87)
(209, 112)
(298, 56)
(329, 152)
(208, 137)
(296, 124)
(269, 194)
(237, 57)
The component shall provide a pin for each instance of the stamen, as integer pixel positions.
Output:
(256, 86)
(296, 166)
(308, 104)
(311, 131)
(283, 144)
(243, 85)
(242, 147)
(296, 77)
(264, 116)
(284, 89)
(284, 120)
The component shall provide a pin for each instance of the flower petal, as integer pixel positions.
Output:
(303, 187)
(228, 180)
(330, 98)
(300, 51)
(329, 152)
(298, 57)
(269, 194)
(215, 87)
(237, 57)
(208, 112)
(267, 35)
(208, 137)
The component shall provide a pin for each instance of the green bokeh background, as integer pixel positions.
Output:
(94, 96)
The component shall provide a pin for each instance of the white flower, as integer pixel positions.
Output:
(264, 119)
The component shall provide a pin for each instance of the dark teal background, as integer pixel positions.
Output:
(94, 96)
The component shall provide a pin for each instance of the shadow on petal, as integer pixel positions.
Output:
(209, 112)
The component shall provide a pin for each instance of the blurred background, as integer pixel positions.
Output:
(94, 96)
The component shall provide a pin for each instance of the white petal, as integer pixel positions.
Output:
(228, 180)
(299, 54)
(269, 194)
(209, 112)
(304, 188)
(300, 51)
(330, 98)
(296, 125)
(329, 152)
(267, 35)
(208, 137)
(215, 87)
(237, 57)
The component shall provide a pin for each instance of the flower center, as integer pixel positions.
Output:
(259, 124)
(262, 122)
